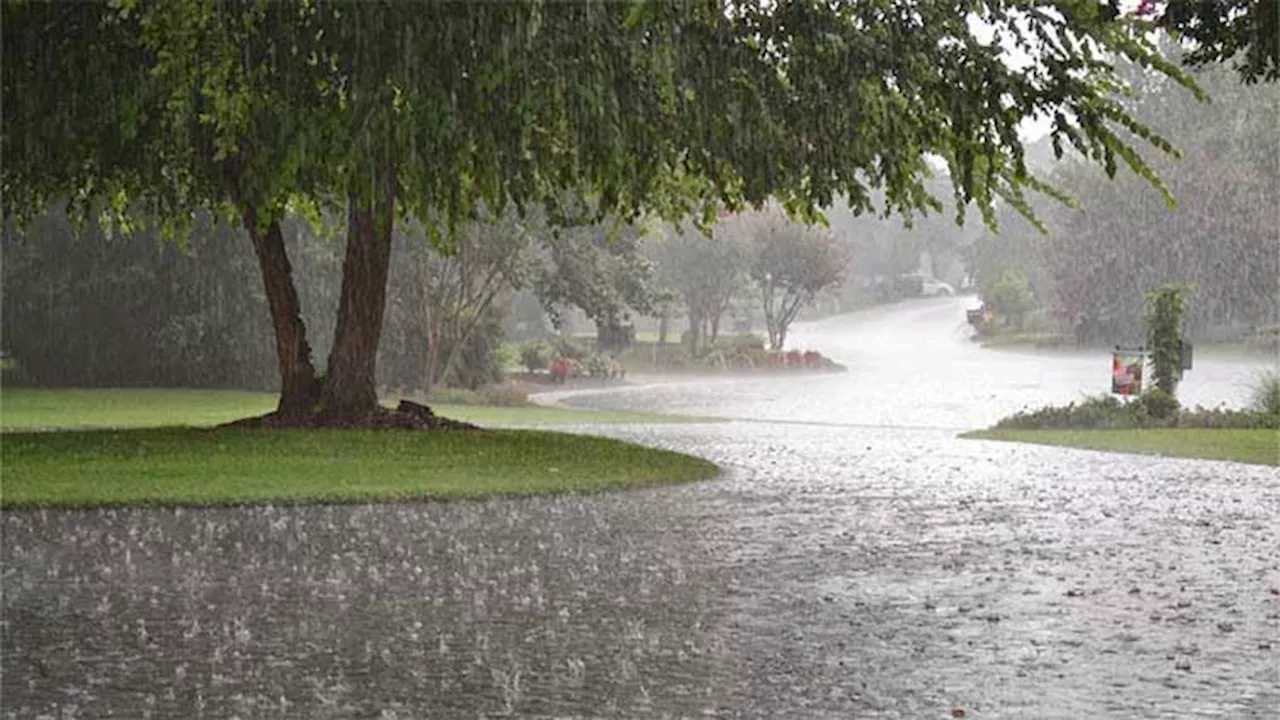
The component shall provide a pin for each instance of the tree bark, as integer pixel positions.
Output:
(349, 389)
(432, 360)
(695, 331)
(299, 387)
(430, 323)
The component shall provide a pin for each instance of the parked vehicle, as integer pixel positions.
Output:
(928, 286)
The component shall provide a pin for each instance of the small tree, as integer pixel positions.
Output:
(790, 263)
(1011, 297)
(1165, 308)
(705, 271)
(457, 289)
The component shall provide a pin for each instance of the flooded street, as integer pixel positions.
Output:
(855, 560)
(913, 365)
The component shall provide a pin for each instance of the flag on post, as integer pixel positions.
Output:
(1126, 372)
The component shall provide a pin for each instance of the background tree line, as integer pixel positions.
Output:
(1087, 275)
(98, 308)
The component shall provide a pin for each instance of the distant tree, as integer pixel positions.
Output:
(1015, 246)
(456, 288)
(665, 302)
(1124, 234)
(790, 263)
(1010, 297)
(90, 308)
(1220, 235)
(597, 268)
(882, 249)
(705, 271)
(879, 247)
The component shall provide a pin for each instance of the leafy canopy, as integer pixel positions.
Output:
(665, 106)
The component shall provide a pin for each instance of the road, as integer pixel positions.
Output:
(856, 560)
(914, 365)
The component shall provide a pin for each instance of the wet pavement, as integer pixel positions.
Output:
(856, 560)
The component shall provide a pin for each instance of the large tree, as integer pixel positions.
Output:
(434, 108)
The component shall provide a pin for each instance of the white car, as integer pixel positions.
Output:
(931, 286)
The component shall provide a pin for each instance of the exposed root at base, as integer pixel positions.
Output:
(407, 416)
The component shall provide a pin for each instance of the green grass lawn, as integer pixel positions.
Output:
(189, 466)
(86, 448)
(1024, 340)
(1248, 446)
(75, 408)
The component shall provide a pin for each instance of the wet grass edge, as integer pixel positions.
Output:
(1251, 446)
(25, 409)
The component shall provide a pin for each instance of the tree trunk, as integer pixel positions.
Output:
(299, 388)
(462, 336)
(432, 361)
(770, 314)
(349, 389)
(695, 332)
(771, 328)
(431, 327)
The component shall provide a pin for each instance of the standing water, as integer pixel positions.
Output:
(857, 560)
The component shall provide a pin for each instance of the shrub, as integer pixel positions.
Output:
(1266, 393)
(1159, 404)
(1098, 411)
(595, 366)
(507, 394)
(1107, 412)
(453, 396)
(675, 357)
(565, 368)
(1229, 419)
(11, 372)
(1165, 308)
(717, 358)
(568, 348)
(1266, 337)
(535, 356)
